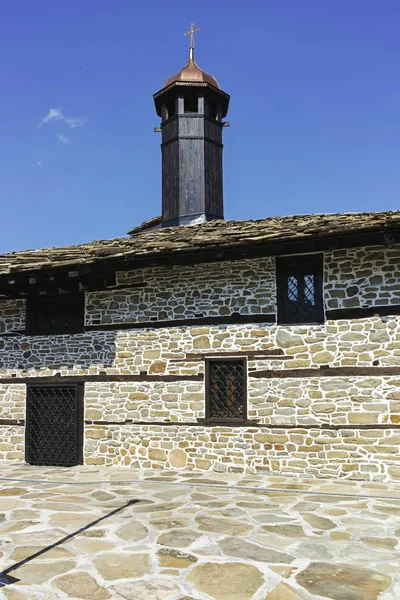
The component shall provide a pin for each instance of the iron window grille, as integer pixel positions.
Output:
(48, 315)
(54, 425)
(226, 390)
(299, 289)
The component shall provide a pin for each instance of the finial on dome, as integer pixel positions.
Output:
(191, 72)
(192, 30)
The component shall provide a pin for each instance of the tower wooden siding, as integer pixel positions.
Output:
(192, 188)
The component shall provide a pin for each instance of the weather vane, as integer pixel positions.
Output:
(193, 29)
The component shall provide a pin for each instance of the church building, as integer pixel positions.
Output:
(259, 346)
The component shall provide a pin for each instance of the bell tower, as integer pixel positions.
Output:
(191, 106)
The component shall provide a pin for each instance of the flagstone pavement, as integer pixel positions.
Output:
(100, 533)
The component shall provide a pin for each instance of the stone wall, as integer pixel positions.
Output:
(362, 277)
(344, 453)
(290, 401)
(181, 292)
(12, 401)
(12, 315)
(340, 426)
(145, 401)
(12, 443)
(348, 343)
(354, 277)
(326, 401)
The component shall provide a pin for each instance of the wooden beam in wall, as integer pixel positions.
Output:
(250, 424)
(234, 318)
(58, 379)
(362, 312)
(324, 372)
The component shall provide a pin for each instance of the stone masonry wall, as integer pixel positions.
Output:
(309, 402)
(12, 315)
(146, 401)
(346, 426)
(347, 343)
(350, 453)
(177, 292)
(12, 443)
(354, 277)
(362, 277)
(306, 401)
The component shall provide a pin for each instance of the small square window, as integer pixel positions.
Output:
(55, 315)
(226, 382)
(191, 104)
(299, 289)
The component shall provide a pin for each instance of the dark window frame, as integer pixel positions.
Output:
(36, 303)
(299, 266)
(190, 103)
(207, 374)
(80, 395)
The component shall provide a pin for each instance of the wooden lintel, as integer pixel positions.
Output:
(58, 379)
(234, 318)
(17, 422)
(325, 372)
(272, 354)
(362, 312)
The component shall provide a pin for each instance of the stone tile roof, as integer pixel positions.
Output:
(213, 235)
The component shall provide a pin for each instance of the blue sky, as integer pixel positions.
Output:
(315, 109)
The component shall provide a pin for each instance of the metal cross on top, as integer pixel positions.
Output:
(193, 29)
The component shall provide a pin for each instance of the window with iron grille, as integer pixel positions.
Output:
(299, 289)
(55, 314)
(226, 390)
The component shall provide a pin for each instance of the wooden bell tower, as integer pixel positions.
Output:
(191, 106)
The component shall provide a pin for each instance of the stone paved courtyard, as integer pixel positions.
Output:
(97, 533)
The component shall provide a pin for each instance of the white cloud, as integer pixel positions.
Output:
(39, 163)
(56, 114)
(63, 139)
(75, 121)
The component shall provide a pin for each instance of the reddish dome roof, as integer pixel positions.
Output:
(192, 73)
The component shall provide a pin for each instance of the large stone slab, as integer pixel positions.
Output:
(284, 592)
(179, 538)
(172, 558)
(242, 549)
(40, 572)
(81, 585)
(154, 589)
(169, 523)
(42, 538)
(72, 521)
(314, 549)
(16, 526)
(12, 491)
(318, 522)
(343, 582)
(11, 503)
(23, 552)
(229, 581)
(369, 555)
(118, 566)
(226, 526)
(143, 507)
(292, 531)
(132, 531)
(385, 543)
